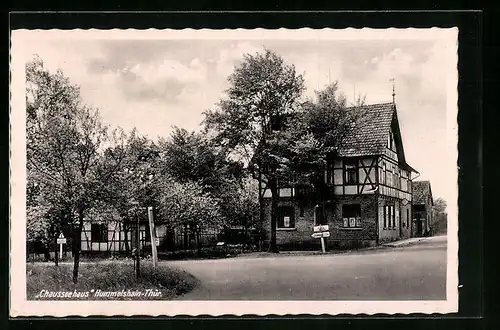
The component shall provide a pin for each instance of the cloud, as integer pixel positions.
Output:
(155, 84)
(170, 70)
(232, 55)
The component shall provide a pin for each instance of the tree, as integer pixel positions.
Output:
(186, 205)
(313, 138)
(189, 156)
(132, 186)
(263, 89)
(71, 155)
(439, 215)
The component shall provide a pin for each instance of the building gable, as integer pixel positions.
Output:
(395, 130)
(421, 191)
(373, 133)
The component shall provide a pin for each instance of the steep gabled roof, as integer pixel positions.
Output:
(370, 136)
(420, 191)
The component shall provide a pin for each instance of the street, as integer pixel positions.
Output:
(413, 272)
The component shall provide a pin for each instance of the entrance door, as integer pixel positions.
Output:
(319, 216)
(400, 224)
(419, 225)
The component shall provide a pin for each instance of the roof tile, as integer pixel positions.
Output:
(420, 191)
(371, 136)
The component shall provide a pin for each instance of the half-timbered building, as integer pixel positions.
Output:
(369, 190)
(111, 237)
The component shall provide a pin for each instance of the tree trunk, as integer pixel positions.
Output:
(274, 213)
(185, 234)
(77, 244)
(46, 251)
(198, 246)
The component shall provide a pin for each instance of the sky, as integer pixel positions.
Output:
(155, 83)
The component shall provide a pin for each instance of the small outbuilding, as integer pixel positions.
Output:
(422, 203)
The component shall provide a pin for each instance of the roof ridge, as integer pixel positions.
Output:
(371, 105)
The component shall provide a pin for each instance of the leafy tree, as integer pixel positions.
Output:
(187, 205)
(281, 138)
(439, 215)
(65, 149)
(263, 89)
(192, 157)
(313, 138)
(189, 156)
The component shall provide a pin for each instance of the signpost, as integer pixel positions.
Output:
(321, 232)
(321, 235)
(61, 240)
(321, 228)
(153, 236)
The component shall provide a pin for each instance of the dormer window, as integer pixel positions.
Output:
(390, 141)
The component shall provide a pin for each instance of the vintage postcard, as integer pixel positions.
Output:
(216, 172)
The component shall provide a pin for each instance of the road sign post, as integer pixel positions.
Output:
(321, 232)
(61, 240)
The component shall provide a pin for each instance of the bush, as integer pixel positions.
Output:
(204, 253)
(109, 276)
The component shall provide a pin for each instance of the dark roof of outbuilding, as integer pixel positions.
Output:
(370, 136)
(420, 191)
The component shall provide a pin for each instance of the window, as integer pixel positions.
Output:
(329, 173)
(393, 217)
(407, 217)
(99, 232)
(351, 172)
(390, 141)
(389, 216)
(286, 217)
(383, 173)
(398, 178)
(386, 215)
(351, 215)
(388, 178)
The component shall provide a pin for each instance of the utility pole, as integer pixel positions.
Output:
(152, 233)
(261, 208)
(138, 256)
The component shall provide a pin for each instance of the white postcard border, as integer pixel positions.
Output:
(20, 306)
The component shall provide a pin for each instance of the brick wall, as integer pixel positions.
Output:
(365, 235)
(299, 238)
